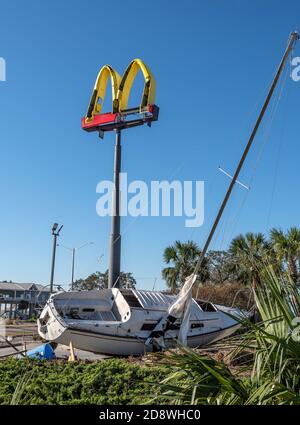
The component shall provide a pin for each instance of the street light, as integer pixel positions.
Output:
(73, 250)
(55, 234)
(54, 227)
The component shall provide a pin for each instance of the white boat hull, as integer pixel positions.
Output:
(120, 346)
(126, 334)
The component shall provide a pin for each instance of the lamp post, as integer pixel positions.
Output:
(55, 233)
(73, 250)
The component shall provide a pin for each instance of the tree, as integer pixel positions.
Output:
(181, 258)
(93, 281)
(99, 280)
(249, 252)
(287, 250)
(221, 267)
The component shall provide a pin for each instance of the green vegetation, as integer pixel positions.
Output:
(226, 277)
(274, 344)
(99, 280)
(112, 381)
(270, 374)
(248, 253)
(269, 269)
(181, 259)
(242, 263)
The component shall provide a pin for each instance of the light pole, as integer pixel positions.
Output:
(73, 250)
(55, 234)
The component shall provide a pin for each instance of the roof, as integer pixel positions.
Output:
(14, 286)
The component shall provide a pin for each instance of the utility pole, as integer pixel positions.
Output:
(55, 234)
(115, 238)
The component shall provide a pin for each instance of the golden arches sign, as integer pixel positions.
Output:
(121, 88)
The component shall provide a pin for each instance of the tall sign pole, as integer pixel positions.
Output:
(121, 117)
(115, 238)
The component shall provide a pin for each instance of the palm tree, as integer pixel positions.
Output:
(287, 250)
(181, 258)
(249, 252)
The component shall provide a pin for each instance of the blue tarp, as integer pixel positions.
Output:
(42, 352)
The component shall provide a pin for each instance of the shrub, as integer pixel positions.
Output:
(111, 381)
(227, 294)
(275, 344)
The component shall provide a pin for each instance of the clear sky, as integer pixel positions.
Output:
(213, 62)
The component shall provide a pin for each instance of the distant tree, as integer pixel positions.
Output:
(249, 252)
(182, 258)
(99, 280)
(127, 280)
(93, 281)
(287, 250)
(221, 267)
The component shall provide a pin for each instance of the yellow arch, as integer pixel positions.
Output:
(97, 99)
(148, 96)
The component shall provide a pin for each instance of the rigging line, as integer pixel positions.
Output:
(265, 139)
(210, 193)
(231, 215)
(269, 126)
(224, 225)
(221, 231)
(177, 170)
(280, 145)
(259, 156)
(274, 181)
(248, 115)
(237, 216)
(247, 118)
(230, 224)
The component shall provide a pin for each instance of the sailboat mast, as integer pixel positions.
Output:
(292, 40)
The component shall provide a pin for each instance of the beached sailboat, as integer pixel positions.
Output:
(119, 321)
(130, 322)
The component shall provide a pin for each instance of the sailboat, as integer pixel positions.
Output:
(119, 321)
(128, 321)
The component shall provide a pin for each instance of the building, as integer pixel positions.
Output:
(22, 299)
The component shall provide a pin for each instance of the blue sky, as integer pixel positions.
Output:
(213, 62)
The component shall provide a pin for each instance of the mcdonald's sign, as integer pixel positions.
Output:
(120, 116)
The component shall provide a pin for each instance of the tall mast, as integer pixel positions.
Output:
(292, 40)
